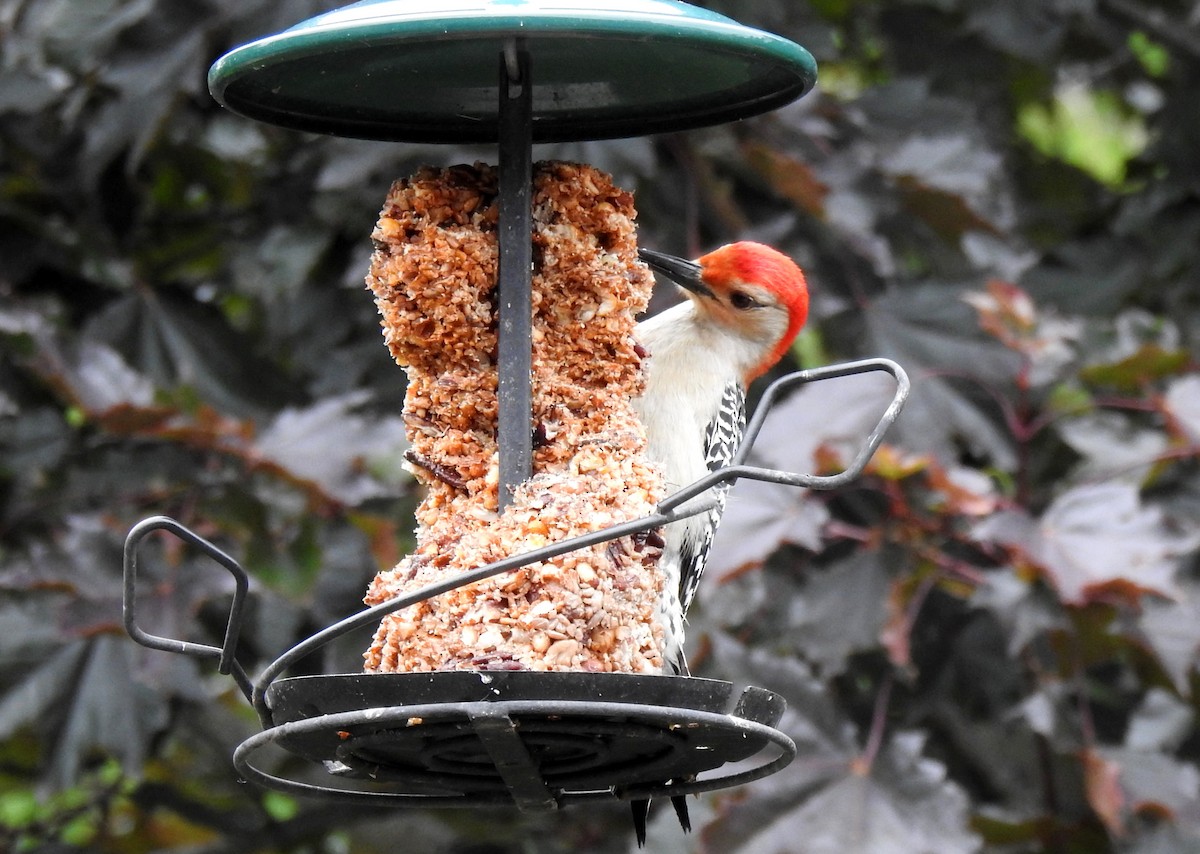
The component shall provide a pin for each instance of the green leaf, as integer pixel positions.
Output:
(1134, 372)
(17, 808)
(1155, 58)
(80, 831)
(280, 806)
(1089, 129)
(1070, 400)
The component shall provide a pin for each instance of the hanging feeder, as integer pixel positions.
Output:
(512, 72)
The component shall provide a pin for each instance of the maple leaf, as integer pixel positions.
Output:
(353, 468)
(1095, 540)
(1047, 340)
(1172, 630)
(901, 804)
(1134, 781)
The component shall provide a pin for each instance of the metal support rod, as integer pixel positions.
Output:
(515, 357)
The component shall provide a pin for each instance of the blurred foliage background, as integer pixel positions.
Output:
(988, 643)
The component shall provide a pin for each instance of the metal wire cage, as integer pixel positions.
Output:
(534, 740)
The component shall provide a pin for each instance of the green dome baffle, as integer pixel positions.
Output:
(513, 72)
(425, 70)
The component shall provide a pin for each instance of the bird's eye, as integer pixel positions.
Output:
(741, 300)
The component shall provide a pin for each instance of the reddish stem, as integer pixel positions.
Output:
(878, 723)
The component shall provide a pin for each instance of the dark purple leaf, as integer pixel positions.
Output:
(1155, 779)
(1048, 341)
(33, 442)
(902, 804)
(351, 456)
(137, 102)
(835, 415)
(1022, 609)
(935, 335)
(177, 343)
(44, 690)
(1172, 628)
(838, 413)
(106, 711)
(1093, 276)
(101, 380)
(812, 718)
(1029, 29)
(759, 517)
(83, 699)
(1093, 537)
(1164, 838)
(1161, 722)
(839, 611)
(1113, 446)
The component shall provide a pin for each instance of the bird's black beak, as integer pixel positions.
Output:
(684, 273)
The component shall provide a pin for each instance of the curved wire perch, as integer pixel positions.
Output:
(738, 468)
(677, 506)
(226, 662)
(473, 713)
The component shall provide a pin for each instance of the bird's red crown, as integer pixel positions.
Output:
(759, 265)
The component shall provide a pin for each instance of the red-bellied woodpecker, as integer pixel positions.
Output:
(746, 303)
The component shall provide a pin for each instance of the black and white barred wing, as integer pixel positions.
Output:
(721, 441)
